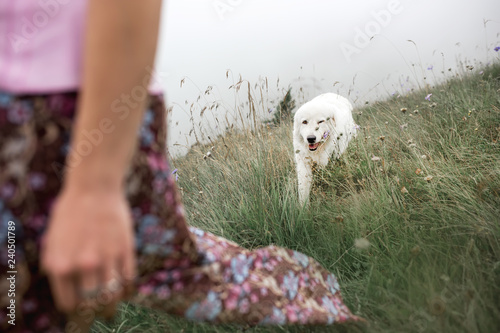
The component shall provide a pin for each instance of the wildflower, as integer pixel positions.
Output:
(497, 49)
(437, 306)
(362, 243)
(403, 127)
(404, 190)
(418, 171)
(424, 157)
(445, 277)
(415, 111)
(415, 250)
(433, 105)
(428, 97)
(428, 178)
(381, 138)
(326, 134)
(430, 68)
(176, 174)
(357, 127)
(404, 110)
(481, 73)
(375, 158)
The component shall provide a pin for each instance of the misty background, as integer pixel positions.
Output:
(362, 49)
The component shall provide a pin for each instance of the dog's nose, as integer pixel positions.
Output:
(311, 139)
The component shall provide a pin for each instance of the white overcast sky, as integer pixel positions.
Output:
(301, 43)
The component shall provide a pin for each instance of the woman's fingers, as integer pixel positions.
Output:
(89, 281)
(64, 290)
(128, 273)
(111, 291)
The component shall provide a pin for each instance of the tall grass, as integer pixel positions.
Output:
(408, 219)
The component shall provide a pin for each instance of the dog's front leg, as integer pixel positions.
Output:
(304, 176)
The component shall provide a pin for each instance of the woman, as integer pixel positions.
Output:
(91, 203)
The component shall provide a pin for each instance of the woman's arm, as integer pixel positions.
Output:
(119, 53)
(89, 241)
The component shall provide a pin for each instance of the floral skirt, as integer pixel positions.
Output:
(182, 270)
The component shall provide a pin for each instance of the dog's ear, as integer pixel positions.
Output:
(296, 128)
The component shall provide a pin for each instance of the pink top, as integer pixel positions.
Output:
(41, 45)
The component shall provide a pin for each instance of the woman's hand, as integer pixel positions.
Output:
(88, 250)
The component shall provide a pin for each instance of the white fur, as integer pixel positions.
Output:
(327, 113)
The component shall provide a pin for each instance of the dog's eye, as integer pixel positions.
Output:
(321, 121)
(304, 122)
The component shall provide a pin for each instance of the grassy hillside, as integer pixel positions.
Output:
(408, 219)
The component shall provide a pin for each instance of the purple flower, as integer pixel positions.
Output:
(5, 99)
(290, 285)
(278, 317)
(428, 97)
(176, 174)
(163, 292)
(332, 283)
(148, 117)
(7, 191)
(301, 258)
(497, 49)
(19, 113)
(208, 309)
(430, 68)
(240, 266)
(37, 180)
(326, 134)
(328, 305)
(147, 137)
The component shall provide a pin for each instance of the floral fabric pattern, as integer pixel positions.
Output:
(182, 270)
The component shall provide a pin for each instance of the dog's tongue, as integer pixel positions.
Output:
(313, 145)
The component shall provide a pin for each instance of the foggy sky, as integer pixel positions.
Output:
(313, 44)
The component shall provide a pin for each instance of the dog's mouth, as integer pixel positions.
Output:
(313, 146)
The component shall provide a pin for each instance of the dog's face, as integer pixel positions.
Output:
(313, 127)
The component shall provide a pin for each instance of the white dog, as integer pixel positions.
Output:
(322, 127)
